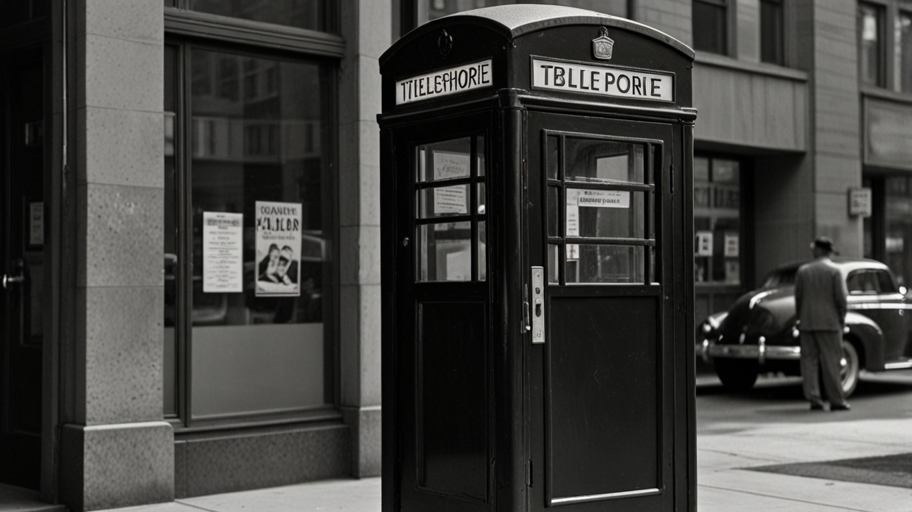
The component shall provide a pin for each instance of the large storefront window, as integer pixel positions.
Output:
(898, 228)
(247, 219)
(717, 221)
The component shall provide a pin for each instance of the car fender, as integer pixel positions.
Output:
(866, 332)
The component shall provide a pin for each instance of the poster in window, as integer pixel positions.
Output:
(451, 200)
(704, 243)
(732, 244)
(278, 249)
(223, 255)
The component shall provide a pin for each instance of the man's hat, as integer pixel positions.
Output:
(825, 243)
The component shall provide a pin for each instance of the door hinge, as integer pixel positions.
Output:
(671, 178)
(529, 473)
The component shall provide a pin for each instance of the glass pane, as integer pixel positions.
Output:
(604, 161)
(552, 156)
(898, 243)
(553, 211)
(480, 149)
(445, 252)
(294, 13)
(553, 264)
(904, 51)
(606, 264)
(710, 26)
(869, 55)
(433, 9)
(169, 363)
(258, 235)
(482, 252)
(606, 213)
(443, 201)
(445, 160)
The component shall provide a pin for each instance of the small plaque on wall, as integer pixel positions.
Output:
(860, 202)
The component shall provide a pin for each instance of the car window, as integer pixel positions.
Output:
(885, 281)
(863, 282)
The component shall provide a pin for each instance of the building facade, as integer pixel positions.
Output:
(190, 215)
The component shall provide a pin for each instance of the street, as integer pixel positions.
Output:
(771, 425)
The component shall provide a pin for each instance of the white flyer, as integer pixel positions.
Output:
(223, 254)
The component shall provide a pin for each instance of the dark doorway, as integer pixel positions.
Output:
(22, 267)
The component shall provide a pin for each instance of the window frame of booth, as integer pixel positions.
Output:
(184, 30)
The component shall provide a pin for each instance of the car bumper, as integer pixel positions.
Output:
(760, 352)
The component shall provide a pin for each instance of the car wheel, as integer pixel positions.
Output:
(736, 375)
(849, 367)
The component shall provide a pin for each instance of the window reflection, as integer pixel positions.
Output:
(717, 221)
(254, 140)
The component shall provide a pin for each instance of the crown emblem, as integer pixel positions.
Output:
(602, 45)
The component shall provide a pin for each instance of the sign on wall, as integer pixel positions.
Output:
(860, 202)
(278, 249)
(223, 255)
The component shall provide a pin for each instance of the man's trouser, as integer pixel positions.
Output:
(821, 353)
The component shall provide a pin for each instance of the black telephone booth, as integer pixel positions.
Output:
(537, 265)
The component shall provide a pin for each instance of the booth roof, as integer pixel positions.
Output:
(520, 19)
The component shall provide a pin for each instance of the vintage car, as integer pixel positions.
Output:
(758, 334)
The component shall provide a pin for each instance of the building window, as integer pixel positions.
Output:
(771, 32)
(309, 14)
(248, 223)
(710, 26)
(871, 45)
(904, 51)
(717, 221)
(427, 10)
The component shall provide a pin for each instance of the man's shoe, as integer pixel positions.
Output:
(816, 407)
(839, 407)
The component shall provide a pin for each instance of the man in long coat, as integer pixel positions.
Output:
(820, 296)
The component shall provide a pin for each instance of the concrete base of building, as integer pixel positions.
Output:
(366, 426)
(108, 466)
(223, 462)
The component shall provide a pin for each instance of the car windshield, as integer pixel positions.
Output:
(780, 277)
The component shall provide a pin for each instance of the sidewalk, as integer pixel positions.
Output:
(734, 433)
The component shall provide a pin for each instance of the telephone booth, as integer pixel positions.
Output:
(537, 265)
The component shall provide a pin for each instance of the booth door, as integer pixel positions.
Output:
(601, 368)
(442, 351)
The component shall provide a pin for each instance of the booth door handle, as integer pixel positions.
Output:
(538, 305)
(10, 280)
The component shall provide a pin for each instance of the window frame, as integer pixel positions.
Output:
(651, 188)
(212, 36)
